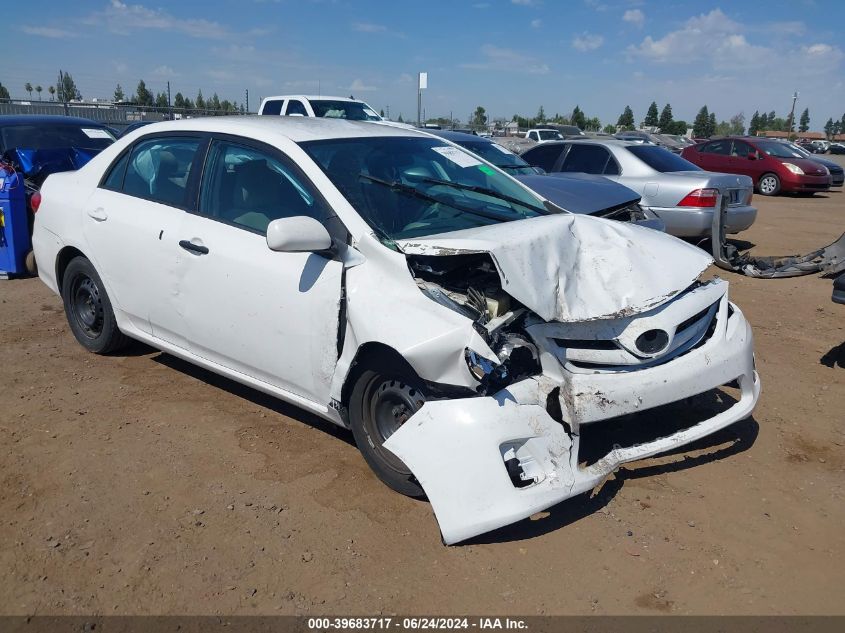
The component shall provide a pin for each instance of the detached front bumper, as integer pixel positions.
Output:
(458, 449)
(697, 222)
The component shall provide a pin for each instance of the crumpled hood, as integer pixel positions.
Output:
(570, 268)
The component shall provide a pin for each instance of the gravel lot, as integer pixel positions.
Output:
(137, 484)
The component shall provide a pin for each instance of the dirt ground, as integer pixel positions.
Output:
(137, 484)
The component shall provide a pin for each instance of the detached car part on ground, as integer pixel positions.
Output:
(681, 194)
(466, 330)
(577, 193)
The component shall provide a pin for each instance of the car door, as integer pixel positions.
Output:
(715, 155)
(132, 219)
(740, 161)
(269, 315)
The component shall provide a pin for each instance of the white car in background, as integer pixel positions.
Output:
(467, 331)
(318, 106)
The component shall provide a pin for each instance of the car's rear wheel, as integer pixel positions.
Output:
(88, 309)
(380, 403)
(769, 185)
(29, 263)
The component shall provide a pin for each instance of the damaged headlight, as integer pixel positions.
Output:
(482, 369)
(520, 359)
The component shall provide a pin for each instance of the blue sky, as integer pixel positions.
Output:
(510, 56)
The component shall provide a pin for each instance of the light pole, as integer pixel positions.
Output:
(422, 84)
(791, 115)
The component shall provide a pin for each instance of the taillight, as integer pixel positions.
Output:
(700, 198)
(35, 201)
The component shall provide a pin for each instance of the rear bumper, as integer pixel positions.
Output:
(697, 222)
(458, 449)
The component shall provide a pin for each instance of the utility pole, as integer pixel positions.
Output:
(422, 84)
(791, 115)
(61, 92)
(246, 94)
(169, 109)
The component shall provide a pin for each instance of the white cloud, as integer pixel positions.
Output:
(525, 3)
(536, 23)
(635, 17)
(597, 5)
(587, 42)
(165, 72)
(123, 18)
(368, 27)
(497, 58)
(359, 86)
(481, 5)
(48, 31)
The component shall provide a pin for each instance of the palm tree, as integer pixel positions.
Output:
(52, 91)
(38, 89)
(28, 88)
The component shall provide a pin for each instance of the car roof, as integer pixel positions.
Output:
(46, 119)
(315, 98)
(297, 129)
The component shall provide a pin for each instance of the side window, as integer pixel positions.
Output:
(159, 168)
(741, 149)
(717, 147)
(533, 136)
(296, 107)
(272, 107)
(590, 159)
(251, 188)
(544, 156)
(117, 171)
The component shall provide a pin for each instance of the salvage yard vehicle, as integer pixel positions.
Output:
(576, 193)
(839, 289)
(837, 174)
(467, 331)
(37, 146)
(774, 166)
(319, 106)
(676, 191)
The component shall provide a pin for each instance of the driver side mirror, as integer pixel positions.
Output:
(299, 234)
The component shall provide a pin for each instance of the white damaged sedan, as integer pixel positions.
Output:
(467, 331)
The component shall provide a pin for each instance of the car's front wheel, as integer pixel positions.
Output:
(380, 403)
(88, 309)
(769, 185)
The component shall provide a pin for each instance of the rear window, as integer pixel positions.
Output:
(660, 159)
(544, 156)
(351, 110)
(52, 136)
(272, 107)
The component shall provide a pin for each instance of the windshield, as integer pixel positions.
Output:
(779, 150)
(549, 135)
(501, 157)
(52, 136)
(351, 110)
(406, 187)
(661, 159)
(799, 150)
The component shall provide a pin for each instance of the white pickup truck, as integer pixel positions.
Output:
(320, 106)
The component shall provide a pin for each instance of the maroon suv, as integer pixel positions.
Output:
(773, 166)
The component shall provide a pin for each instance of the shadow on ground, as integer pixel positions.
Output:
(834, 357)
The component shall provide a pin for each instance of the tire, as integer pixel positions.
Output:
(769, 184)
(381, 401)
(88, 309)
(29, 263)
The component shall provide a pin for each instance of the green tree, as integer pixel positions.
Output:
(4, 93)
(592, 124)
(214, 103)
(737, 125)
(651, 119)
(179, 100)
(39, 89)
(66, 88)
(161, 100)
(711, 124)
(189, 105)
(665, 119)
(143, 97)
(828, 128)
(381, 113)
(701, 124)
(804, 122)
(770, 120)
(678, 127)
(200, 102)
(541, 115)
(723, 128)
(609, 129)
(28, 88)
(578, 118)
(52, 91)
(479, 117)
(626, 119)
(754, 125)
(119, 95)
(400, 119)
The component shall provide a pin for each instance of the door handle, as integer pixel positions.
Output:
(98, 214)
(194, 248)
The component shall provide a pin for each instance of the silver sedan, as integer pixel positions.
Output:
(678, 192)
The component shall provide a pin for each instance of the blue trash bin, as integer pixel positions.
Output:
(15, 241)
